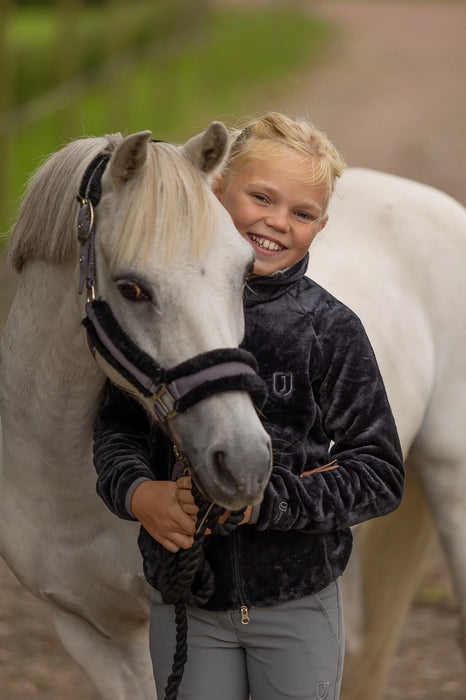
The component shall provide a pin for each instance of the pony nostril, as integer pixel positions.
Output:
(221, 474)
(218, 459)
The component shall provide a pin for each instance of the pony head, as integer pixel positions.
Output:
(171, 266)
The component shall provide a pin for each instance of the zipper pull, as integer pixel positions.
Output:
(245, 615)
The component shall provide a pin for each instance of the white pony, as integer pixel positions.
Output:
(395, 252)
(172, 267)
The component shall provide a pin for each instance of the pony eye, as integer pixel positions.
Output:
(133, 291)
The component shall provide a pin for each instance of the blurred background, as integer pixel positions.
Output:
(385, 79)
(87, 67)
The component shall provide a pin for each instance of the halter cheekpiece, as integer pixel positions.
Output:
(172, 390)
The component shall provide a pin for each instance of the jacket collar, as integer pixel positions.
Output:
(262, 287)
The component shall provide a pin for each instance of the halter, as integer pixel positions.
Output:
(172, 390)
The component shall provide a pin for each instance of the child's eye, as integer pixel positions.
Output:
(305, 216)
(260, 197)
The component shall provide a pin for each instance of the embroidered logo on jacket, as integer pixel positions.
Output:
(282, 384)
(280, 512)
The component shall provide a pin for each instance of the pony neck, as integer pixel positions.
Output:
(49, 377)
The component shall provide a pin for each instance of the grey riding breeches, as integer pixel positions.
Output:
(293, 650)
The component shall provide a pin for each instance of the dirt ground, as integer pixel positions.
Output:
(392, 97)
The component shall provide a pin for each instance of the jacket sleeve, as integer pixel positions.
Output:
(121, 449)
(365, 475)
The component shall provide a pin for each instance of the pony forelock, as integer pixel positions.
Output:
(168, 205)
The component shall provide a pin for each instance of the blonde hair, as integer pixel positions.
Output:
(274, 134)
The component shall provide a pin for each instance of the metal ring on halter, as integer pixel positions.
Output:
(85, 219)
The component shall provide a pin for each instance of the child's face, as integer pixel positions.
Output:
(275, 208)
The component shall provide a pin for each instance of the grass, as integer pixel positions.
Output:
(225, 67)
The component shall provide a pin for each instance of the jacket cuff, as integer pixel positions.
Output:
(130, 492)
(254, 514)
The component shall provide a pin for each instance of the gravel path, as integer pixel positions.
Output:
(392, 97)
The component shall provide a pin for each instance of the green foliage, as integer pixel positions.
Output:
(37, 44)
(177, 65)
(237, 58)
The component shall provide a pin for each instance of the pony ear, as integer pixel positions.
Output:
(208, 150)
(129, 157)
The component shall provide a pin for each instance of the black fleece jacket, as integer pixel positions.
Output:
(337, 457)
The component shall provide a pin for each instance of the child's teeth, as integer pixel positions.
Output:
(265, 243)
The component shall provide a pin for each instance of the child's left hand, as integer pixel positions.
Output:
(185, 499)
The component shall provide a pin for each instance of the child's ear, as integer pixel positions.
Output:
(217, 186)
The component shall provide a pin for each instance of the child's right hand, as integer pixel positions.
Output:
(155, 505)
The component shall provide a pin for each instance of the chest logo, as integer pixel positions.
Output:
(282, 384)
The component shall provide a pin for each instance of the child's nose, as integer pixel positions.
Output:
(279, 219)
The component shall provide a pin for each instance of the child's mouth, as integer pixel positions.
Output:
(265, 243)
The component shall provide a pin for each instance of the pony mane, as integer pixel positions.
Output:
(45, 228)
(169, 199)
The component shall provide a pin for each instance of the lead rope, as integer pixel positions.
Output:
(187, 578)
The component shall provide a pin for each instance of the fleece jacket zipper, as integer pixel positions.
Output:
(245, 620)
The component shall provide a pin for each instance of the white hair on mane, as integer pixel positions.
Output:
(168, 199)
(46, 225)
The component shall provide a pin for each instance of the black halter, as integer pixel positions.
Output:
(172, 390)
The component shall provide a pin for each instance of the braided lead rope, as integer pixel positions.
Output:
(178, 576)
(181, 652)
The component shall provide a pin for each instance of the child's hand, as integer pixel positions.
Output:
(244, 521)
(156, 506)
(185, 497)
(186, 501)
(223, 518)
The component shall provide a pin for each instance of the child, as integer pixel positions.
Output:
(273, 627)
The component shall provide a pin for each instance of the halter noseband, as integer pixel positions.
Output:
(172, 390)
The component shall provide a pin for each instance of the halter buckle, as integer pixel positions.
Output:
(85, 219)
(164, 403)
